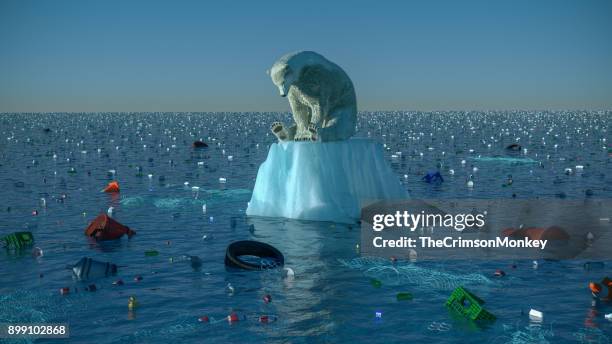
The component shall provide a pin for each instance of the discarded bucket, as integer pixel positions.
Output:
(104, 227)
(88, 268)
(112, 187)
(18, 240)
(468, 305)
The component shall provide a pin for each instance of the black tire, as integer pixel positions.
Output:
(251, 248)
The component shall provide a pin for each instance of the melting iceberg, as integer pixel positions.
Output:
(328, 181)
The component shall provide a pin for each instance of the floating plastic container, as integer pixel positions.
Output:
(88, 268)
(536, 315)
(18, 240)
(468, 305)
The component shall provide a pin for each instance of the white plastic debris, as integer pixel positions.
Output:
(536, 315)
(222, 180)
(289, 273)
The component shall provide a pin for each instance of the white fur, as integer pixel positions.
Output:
(321, 96)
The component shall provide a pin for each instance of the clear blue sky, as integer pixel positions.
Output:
(212, 55)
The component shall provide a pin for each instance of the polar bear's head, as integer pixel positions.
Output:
(287, 70)
(283, 76)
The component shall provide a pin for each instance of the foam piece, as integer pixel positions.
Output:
(323, 181)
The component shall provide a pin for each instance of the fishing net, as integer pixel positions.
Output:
(400, 274)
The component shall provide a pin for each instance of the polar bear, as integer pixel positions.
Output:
(321, 96)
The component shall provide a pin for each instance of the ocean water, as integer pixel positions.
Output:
(331, 298)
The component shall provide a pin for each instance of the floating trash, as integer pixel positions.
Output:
(404, 297)
(433, 178)
(103, 227)
(17, 240)
(267, 298)
(112, 187)
(465, 303)
(536, 315)
(87, 268)
(199, 144)
(132, 303)
(37, 252)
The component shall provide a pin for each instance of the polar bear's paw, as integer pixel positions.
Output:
(303, 136)
(312, 129)
(279, 131)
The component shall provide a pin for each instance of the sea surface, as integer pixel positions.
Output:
(54, 165)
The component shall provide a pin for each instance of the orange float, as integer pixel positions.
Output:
(112, 187)
(105, 228)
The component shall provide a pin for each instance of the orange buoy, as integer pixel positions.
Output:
(105, 228)
(112, 187)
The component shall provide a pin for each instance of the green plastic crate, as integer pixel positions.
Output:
(18, 240)
(468, 305)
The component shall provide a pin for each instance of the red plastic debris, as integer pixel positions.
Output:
(34, 212)
(64, 291)
(203, 319)
(264, 319)
(233, 317)
(267, 298)
(104, 227)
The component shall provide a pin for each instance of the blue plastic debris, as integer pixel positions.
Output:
(433, 178)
